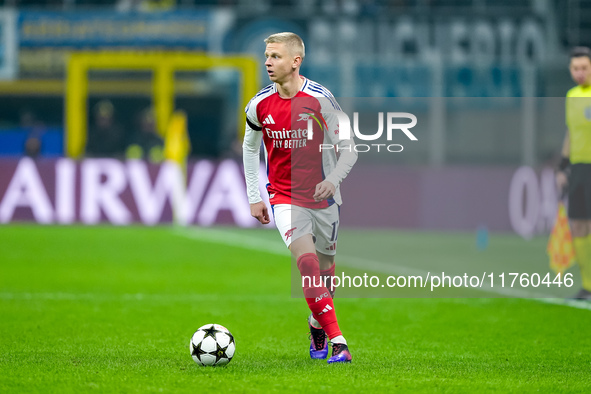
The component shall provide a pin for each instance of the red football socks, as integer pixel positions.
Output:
(317, 295)
(326, 276)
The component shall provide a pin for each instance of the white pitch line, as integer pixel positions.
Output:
(565, 302)
(228, 237)
(61, 296)
(239, 240)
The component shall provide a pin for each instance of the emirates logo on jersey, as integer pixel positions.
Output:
(287, 139)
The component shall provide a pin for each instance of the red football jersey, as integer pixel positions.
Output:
(295, 163)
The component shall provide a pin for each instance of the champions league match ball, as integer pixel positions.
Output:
(212, 344)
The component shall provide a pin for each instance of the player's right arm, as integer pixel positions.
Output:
(561, 173)
(251, 147)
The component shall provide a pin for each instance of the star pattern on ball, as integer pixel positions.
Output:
(217, 352)
(197, 351)
(210, 332)
(220, 352)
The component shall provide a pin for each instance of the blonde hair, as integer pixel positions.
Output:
(291, 40)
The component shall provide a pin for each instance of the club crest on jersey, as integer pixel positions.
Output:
(304, 117)
(317, 116)
(289, 233)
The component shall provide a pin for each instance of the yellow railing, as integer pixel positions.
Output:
(163, 66)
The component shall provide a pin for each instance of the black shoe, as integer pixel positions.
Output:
(340, 354)
(583, 294)
(318, 342)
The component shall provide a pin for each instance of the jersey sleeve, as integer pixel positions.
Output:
(346, 147)
(252, 119)
(251, 148)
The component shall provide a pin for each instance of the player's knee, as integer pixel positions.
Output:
(302, 245)
(308, 262)
(326, 261)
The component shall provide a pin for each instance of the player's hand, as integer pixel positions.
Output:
(561, 182)
(260, 212)
(324, 190)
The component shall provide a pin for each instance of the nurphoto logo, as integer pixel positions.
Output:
(345, 130)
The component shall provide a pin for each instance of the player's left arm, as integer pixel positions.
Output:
(346, 159)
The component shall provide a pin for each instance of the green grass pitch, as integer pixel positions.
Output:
(112, 309)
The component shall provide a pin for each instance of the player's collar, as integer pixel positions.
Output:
(304, 84)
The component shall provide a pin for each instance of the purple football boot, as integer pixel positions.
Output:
(340, 354)
(318, 342)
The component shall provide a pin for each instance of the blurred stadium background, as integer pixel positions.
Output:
(89, 86)
(86, 79)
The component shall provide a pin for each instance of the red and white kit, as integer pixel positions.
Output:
(295, 163)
